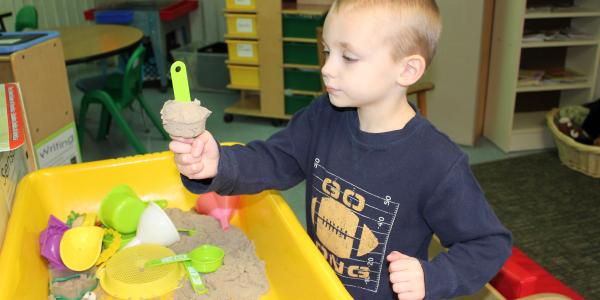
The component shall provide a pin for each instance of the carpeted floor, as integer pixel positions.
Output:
(553, 213)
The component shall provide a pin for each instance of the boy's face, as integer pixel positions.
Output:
(359, 70)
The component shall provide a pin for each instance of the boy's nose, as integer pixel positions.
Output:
(327, 69)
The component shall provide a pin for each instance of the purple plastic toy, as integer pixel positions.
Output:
(50, 242)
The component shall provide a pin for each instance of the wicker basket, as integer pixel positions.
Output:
(577, 156)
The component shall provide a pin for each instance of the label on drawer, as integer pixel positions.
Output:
(245, 50)
(244, 25)
(242, 2)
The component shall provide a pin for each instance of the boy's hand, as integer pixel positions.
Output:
(196, 158)
(406, 276)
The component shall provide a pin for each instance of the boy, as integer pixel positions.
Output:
(380, 178)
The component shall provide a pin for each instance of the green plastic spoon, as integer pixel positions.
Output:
(195, 279)
(205, 259)
(179, 78)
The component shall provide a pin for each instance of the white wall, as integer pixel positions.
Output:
(51, 13)
(206, 22)
(456, 102)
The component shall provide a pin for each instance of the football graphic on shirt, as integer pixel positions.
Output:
(336, 226)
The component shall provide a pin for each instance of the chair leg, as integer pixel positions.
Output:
(104, 126)
(155, 120)
(83, 109)
(135, 142)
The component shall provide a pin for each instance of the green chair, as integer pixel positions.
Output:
(115, 92)
(27, 17)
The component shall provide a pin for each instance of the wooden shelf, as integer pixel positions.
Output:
(240, 11)
(552, 87)
(298, 66)
(293, 8)
(567, 43)
(240, 87)
(505, 125)
(304, 93)
(530, 121)
(530, 132)
(300, 40)
(252, 109)
(237, 37)
(581, 13)
(228, 62)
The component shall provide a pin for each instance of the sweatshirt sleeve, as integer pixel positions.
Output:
(478, 244)
(277, 163)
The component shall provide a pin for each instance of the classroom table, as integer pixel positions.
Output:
(86, 43)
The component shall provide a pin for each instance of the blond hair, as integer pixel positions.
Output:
(417, 24)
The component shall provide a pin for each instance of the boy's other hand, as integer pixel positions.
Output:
(196, 158)
(406, 276)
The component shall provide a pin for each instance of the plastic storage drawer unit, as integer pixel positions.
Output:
(294, 103)
(303, 80)
(301, 26)
(241, 25)
(242, 5)
(294, 267)
(300, 53)
(244, 77)
(242, 52)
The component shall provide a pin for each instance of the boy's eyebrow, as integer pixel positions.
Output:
(346, 46)
(343, 45)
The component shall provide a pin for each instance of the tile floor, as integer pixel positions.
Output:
(242, 129)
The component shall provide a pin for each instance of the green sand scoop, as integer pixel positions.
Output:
(205, 259)
(179, 78)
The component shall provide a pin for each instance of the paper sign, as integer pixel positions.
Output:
(242, 2)
(245, 50)
(244, 25)
(11, 117)
(60, 148)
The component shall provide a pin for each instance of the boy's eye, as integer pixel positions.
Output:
(325, 52)
(349, 59)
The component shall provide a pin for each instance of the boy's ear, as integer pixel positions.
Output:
(412, 68)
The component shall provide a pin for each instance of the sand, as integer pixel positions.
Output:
(242, 275)
(184, 119)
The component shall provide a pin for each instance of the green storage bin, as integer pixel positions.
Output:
(294, 103)
(303, 80)
(300, 53)
(301, 26)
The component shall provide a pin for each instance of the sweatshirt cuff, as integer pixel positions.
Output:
(222, 183)
(440, 281)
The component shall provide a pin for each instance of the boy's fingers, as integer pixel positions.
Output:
(182, 140)
(187, 159)
(402, 287)
(179, 147)
(395, 255)
(197, 147)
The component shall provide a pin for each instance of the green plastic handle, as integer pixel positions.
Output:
(180, 82)
(166, 260)
(190, 232)
(195, 279)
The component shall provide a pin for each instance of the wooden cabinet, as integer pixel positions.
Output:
(530, 36)
(51, 138)
(274, 65)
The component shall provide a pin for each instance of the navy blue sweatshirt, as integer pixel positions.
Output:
(368, 194)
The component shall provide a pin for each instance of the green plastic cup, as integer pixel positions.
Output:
(121, 209)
